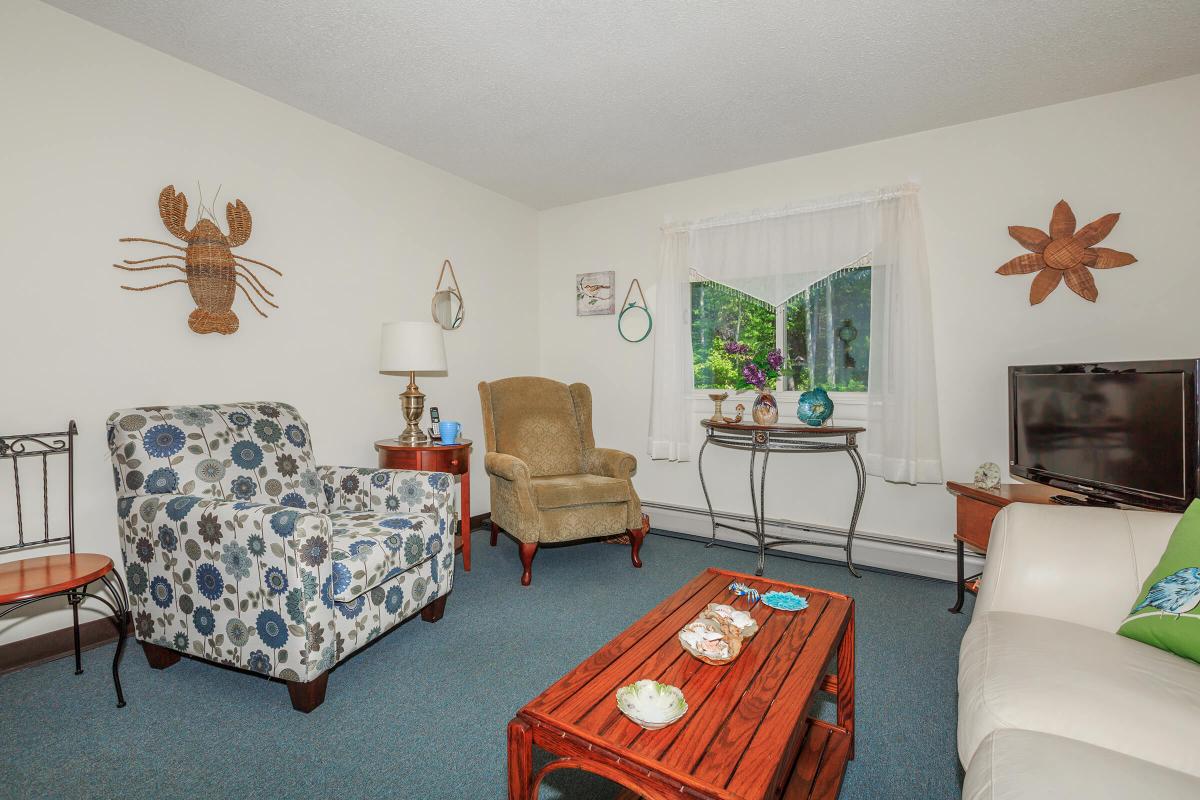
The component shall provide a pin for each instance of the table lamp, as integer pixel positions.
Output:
(406, 348)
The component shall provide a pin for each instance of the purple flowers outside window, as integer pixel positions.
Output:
(757, 372)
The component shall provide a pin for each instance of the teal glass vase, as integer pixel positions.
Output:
(815, 407)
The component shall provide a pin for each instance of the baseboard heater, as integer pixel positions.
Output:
(859, 535)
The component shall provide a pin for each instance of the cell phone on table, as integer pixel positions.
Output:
(434, 416)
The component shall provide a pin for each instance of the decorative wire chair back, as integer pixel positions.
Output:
(29, 454)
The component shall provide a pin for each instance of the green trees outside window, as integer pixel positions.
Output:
(824, 331)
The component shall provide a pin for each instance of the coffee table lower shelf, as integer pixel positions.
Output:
(819, 769)
(821, 765)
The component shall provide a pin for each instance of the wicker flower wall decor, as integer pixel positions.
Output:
(1064, 254)
(212, 271)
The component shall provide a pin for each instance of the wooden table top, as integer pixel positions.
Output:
(41, 576)
(785, 427)
(741, 731)
(433, 444)
(1007, 493)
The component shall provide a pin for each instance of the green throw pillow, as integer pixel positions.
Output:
(1166, 613)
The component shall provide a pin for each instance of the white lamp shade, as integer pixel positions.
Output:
(411, 347)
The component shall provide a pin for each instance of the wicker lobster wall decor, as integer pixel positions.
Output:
(1064, 254)
(213, 272)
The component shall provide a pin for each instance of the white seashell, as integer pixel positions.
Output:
(697, 630)
(739, 618)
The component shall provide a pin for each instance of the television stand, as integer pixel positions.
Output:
(1072, 500)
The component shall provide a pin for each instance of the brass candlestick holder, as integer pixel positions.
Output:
(718, 398)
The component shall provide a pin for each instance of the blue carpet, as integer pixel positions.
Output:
(422, 713)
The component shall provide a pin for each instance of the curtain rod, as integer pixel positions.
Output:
(839, 201)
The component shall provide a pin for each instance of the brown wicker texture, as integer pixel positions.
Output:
(1064, 254)
(728, 632)
(214, 273)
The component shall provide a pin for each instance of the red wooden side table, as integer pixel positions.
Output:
(432, 457)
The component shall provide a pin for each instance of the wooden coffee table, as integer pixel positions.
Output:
(746, 734)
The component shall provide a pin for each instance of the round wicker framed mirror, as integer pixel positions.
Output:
(447, 306)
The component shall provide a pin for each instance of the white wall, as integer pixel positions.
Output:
(93, 126)
(1134, 152)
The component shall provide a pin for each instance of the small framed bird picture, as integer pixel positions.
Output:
(594, 293)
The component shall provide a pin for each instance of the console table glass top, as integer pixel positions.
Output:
(782, 438)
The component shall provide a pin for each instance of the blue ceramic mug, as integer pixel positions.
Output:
(449, 431)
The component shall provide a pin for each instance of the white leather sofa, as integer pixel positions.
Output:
(1051, 701)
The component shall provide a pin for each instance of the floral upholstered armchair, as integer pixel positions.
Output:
(550, 483)
(240, 549)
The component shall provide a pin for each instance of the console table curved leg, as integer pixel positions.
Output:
(762, 514)
(860, 473)
(712, 518)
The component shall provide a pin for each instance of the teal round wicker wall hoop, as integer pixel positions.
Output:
(628, 306)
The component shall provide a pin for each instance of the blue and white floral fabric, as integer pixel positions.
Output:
(240, 549)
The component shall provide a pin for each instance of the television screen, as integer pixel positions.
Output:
(1125, 429)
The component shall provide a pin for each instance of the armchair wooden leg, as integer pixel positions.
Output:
(495, 531)
(636, 535)
(307, 695)
(160, 657)
(433, 612)
(527, 551)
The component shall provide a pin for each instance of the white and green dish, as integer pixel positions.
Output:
(651, 704)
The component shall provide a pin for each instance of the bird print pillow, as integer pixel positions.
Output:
(1167, 612)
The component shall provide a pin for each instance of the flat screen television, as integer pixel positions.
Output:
(1114, 432)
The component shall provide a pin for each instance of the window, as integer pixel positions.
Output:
(824, 332)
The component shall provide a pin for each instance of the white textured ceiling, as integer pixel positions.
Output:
(556, 102)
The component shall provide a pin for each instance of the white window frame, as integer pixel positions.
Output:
(848, 407)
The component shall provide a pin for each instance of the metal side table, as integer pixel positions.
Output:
(779, 438)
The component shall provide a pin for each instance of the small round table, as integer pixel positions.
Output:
(783, 438)
(433, 457)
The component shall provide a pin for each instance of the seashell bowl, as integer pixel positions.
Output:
(742, 622)
(711, 639)
(651, 704)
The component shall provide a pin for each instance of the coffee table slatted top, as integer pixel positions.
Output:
(743, 731)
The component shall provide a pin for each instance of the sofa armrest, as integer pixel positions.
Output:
(245, 582)
(1080, 565)
(610, 463)
(389, 491)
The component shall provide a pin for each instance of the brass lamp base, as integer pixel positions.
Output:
(413, 403)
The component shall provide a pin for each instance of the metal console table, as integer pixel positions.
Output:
(767, 439)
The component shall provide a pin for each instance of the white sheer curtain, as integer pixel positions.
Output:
(773, 255)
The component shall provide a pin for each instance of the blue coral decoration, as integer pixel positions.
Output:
(785, 601)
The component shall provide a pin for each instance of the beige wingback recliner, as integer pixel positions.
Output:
(550, 483)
